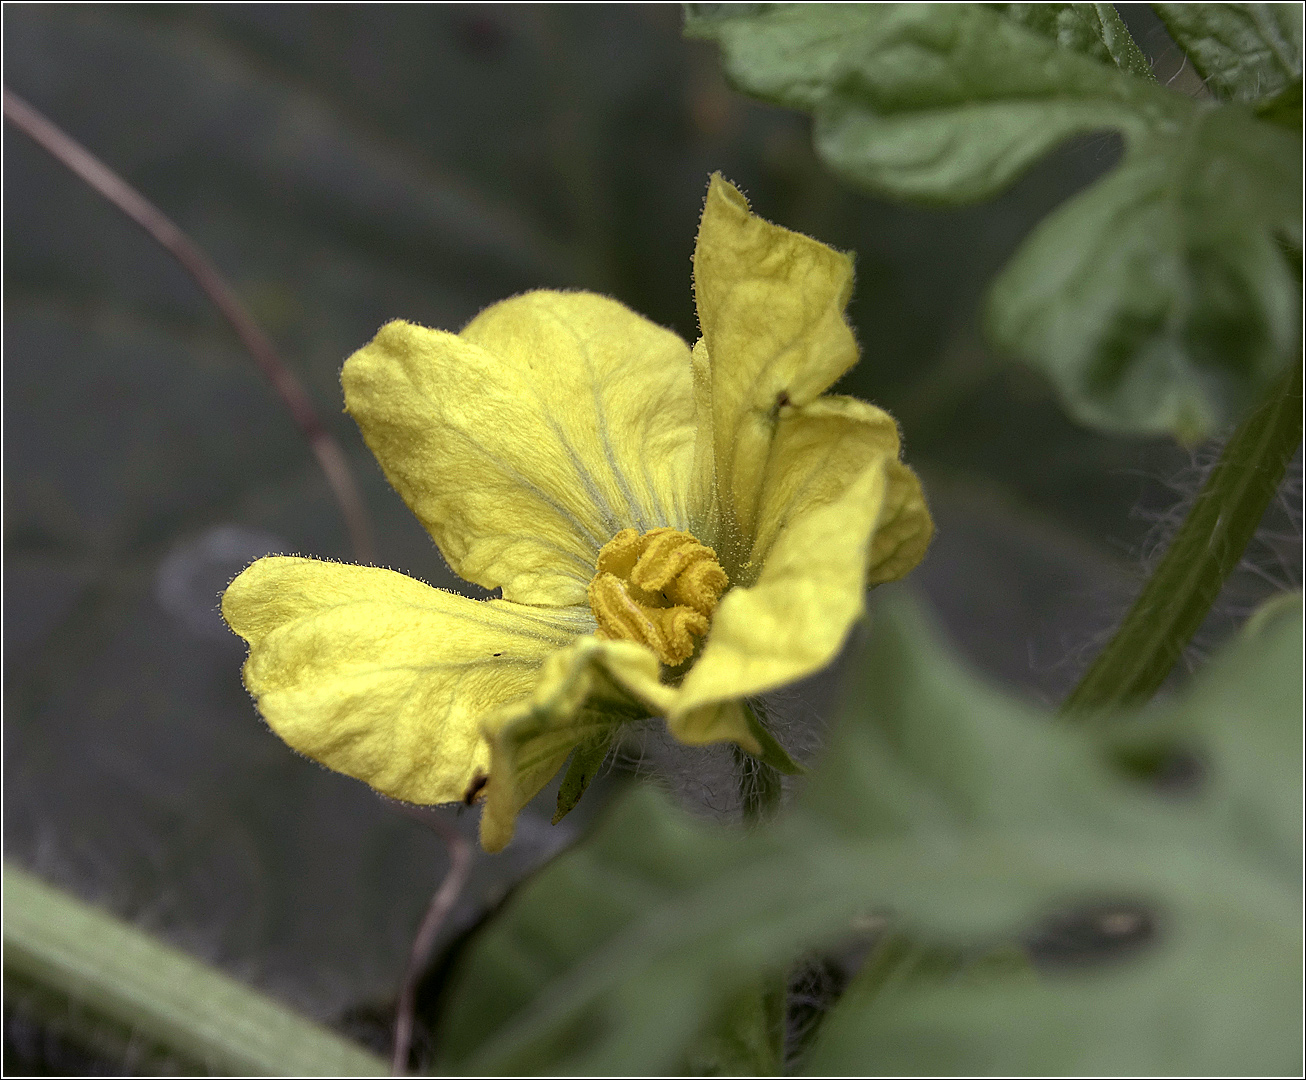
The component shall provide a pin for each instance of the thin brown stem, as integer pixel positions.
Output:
(455, 878)
(131, 202)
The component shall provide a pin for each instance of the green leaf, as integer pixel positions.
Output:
(1284, 108)
(1204, 1000)
(1245, 52)
(1095, 30)
(1157, 301)
(163, 996)
(960, 816)
(643, 855)
(1219, 992)
(942, 103)
(1249, 716)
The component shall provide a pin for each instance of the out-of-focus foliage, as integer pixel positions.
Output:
(961, 817)
(1158, 300)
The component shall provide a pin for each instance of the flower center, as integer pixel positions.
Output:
(658, 589)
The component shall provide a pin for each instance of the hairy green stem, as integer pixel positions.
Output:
(1205, 551)
(759, 784)
(760, 789)
(162, 996)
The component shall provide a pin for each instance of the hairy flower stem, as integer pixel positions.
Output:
(759, 794)
(759, 783)
(1204, 552)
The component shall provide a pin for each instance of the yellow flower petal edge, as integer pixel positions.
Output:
(771, 309)
(382, 677)
(584, 692)
(523, 444)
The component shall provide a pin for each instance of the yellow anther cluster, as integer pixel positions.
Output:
(659, 589)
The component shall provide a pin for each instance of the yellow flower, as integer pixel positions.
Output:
(673, 531)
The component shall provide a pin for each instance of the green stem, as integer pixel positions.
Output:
(116, 972)
(760, 789)
(1205, 551)
(759, 784)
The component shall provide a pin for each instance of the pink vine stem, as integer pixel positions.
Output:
(455, 878)
(131, 202)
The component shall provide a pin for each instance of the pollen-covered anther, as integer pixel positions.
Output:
(658, 588)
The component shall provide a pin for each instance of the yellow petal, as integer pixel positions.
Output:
(717, 721)
(523, 444)
(770, 304)
(819, 449)
(905, 528)
(703, 491)
(583, 691)
(382, 677)
(833, 483)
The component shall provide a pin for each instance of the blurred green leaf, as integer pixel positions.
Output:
(962, 816)
(1244, 52)
(1249, 716)
(1158, 300)
(747, 1038)
(1219, 992)
(1212, 998)
(1284, 108)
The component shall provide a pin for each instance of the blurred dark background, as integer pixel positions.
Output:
(345, 165)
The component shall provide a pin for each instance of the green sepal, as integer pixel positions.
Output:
(586, 760)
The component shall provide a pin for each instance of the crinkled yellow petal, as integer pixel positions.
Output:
(819, 449)
(382, 677)
(834, 481)
(703, 492)
(523, 444)
(583, 691)
(771, 307)
(905, 528)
